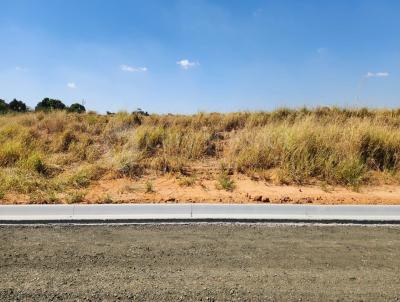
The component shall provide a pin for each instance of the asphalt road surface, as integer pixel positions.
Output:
(200, 263)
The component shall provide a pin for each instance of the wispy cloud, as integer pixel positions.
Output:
(128, 68)
(71, 85)
(19, 68)
(186, 64)
(377, 74)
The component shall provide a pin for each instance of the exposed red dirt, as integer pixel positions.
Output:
(167, 189)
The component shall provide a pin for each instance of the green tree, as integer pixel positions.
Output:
(17, 106)
(3, 106)
(50, 104)
(78, 108)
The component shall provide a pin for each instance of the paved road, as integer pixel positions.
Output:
(200, 263)
(135, 212)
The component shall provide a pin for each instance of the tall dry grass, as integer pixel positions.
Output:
(51, 152)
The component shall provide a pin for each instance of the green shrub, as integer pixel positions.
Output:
(17, 106)
(76, 108)
(48, 104)
(224, 182)
(3, 107)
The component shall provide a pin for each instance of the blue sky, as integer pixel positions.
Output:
(196, 55)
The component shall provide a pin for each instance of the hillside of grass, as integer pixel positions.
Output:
(43, 155)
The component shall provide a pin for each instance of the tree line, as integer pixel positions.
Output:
(46, 104)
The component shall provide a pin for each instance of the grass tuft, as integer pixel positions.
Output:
(224, 182)
(149, 188)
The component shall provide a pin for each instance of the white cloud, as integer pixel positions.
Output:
(377, 74)
(186, 64)
(132, 69)
(71, 85)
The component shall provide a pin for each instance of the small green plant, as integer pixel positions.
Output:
(2, 194)
(76, 197)
(149, 187)
(224, 182)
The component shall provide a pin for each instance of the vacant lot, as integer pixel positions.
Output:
(324, 154)
(200, 263)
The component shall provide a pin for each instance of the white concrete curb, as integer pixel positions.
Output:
(198, 212)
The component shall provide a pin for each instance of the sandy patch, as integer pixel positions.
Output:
(168, 189)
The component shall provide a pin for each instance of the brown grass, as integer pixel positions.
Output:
(44, 154)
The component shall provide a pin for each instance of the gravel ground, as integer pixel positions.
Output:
(200, 263)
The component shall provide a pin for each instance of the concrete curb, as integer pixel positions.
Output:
(126, 213)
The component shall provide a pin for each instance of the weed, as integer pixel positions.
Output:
(76, 197)
(187, 181)
(10, 153)
(129, 165)
(224, 182)
(35, 163)
(149, 187)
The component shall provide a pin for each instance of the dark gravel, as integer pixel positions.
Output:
(199, 263)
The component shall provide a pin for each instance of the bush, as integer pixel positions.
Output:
(17, 106)
(3, 107)
(77, 108)
(49, 105)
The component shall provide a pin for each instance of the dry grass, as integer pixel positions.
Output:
(42, 154)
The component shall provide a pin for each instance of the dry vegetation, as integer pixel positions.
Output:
(57, 156)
